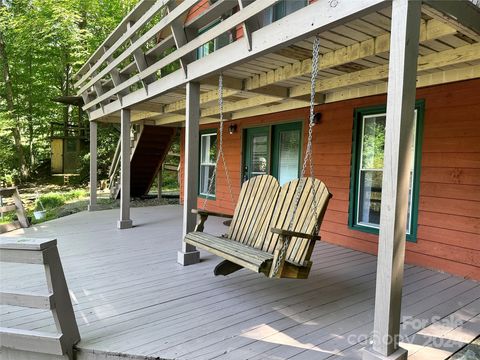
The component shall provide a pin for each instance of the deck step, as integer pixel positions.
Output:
(27, 340)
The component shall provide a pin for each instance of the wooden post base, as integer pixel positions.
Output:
(370, 354)
(93, 208)
(124, 224)
(188, 258)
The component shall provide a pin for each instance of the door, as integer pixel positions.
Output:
(71, 155)
(257, 152)
(286, 151)
(57, 156)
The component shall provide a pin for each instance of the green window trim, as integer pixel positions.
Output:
(202, 134)
(355, 167)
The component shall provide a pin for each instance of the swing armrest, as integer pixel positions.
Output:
(203, 216)
(210, 213)
(288, 233)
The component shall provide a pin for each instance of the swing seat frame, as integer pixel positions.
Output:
(257, 230)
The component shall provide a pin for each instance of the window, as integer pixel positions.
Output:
(208, 156)
(215, 44)
(367, 170)
(282, 9)
(274, 150)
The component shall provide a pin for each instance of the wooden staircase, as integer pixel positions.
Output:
(149, 147)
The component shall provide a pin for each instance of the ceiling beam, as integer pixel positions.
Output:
(441, 77)
(428, 62)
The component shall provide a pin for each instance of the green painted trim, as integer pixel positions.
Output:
(277, 129)
(203, 132)
(355, 163)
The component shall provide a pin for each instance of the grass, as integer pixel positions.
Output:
(54, 202)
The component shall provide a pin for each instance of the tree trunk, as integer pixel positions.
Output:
(15, 130)
(30, 114)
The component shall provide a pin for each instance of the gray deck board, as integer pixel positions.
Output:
(131, 298)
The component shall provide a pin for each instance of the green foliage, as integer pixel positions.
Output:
(54, 200)
(50, 201)
(373, 143)
(46, 42)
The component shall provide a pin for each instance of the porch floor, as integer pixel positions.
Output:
(132, 300)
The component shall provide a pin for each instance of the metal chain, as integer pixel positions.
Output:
(308, 157)
(220, 148)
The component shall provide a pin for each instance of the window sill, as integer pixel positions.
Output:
(370, 230)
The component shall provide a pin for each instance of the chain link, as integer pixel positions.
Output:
(219, 149)
(307, 160)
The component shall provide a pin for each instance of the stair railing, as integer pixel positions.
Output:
(114, 172)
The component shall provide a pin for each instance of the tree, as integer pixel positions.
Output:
(42, 44)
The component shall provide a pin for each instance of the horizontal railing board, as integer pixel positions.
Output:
(22, 256)
(26, 243)
(7, 208)
(30, 300)
(34, 341)
(8, 192)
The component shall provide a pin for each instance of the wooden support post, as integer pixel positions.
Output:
(396, 176)
(189, 254)
(63, 314)
(125, 222)
(92, 206)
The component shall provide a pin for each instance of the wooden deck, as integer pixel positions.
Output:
(133, 301)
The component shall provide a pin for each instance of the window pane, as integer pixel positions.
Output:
(289, 148)
(209, 149)
(370, 197)
(371, 172)
(206, 173)
(259, 155)
(373, 142)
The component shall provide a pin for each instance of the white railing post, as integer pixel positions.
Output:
(92, 206)
(125, 222)
(399, 132)
(189, 254)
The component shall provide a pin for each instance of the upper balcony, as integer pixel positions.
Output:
(263, 49)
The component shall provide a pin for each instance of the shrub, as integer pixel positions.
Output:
(50, 201)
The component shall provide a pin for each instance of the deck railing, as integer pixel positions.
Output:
(127, 68)
(40, 252)
(134, 59)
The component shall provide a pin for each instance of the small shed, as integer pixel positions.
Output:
(68, 139)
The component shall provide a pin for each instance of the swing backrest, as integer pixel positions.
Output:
(254, 209)
(304, 220)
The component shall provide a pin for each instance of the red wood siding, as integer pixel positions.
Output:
(449, 205)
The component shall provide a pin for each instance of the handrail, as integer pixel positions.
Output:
(116, 160)
(116, 156)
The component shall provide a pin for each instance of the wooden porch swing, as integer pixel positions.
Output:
(273, 229)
